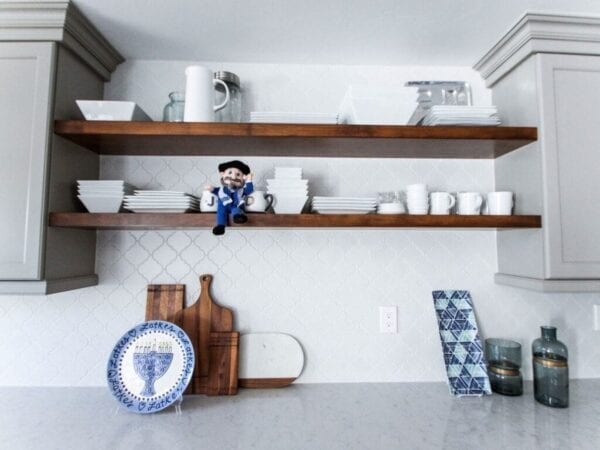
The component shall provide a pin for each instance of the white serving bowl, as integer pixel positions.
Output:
(101, 203)
(289, 205)
(111, 110)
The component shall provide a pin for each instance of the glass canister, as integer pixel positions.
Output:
(550, 369)
(233, 110)
(173, 111)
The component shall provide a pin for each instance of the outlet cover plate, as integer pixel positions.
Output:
(388, 319)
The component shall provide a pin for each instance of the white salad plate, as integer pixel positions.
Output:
(344, 211)
(150, 366)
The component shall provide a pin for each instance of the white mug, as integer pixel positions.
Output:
(258, 202)
(441, 203)
(208, 202)
(200, 95)
(469, 203)
(500, 203)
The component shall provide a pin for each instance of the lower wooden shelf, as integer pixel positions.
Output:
(150, 221)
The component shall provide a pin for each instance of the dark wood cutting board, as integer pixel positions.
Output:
(210, 328)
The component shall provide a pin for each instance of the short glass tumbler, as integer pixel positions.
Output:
(504, 366)
(550, 369)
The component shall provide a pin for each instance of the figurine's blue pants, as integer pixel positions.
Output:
(223, 212)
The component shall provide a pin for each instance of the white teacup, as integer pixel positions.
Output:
(441, 203)
(469, 203)
(208, 202)
(258, 201)
(500, 203)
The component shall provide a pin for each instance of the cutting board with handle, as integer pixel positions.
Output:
(269, 360)
(210, 328)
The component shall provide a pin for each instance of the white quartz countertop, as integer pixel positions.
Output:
(309, 416)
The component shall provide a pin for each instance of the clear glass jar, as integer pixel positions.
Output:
(233, 110)
(550, 369)
(173, 111)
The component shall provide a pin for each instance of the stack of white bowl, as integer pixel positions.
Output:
(289, 190)
(417, 199)
(102, 196)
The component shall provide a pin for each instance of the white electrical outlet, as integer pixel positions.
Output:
(388, 319)
(597, 317)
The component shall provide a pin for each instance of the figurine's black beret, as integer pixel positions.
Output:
(235, 164)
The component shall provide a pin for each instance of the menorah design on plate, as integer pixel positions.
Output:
(151, 361)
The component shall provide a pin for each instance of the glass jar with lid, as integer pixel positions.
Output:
(233, 110)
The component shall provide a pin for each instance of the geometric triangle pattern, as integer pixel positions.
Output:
(463, 355)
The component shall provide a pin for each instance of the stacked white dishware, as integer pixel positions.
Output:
(161, 202)
(293, 117)
(344, 205)
(462, 115)
(289, 190)
(417, 198)
(102, 196)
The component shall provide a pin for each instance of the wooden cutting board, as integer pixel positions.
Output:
(210, 328)
(269, 360)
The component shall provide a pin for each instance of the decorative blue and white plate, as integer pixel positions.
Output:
(463, 353)
(150, 366)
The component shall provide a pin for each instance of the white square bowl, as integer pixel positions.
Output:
(289, 205)
(111, 110)
(101, 204)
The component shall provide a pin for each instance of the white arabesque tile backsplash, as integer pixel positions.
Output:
(322, 286)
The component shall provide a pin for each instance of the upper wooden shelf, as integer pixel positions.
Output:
(155, 221)
(255, 139)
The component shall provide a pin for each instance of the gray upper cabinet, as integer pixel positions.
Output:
(26, 80)
(546, 73)
(50, 55)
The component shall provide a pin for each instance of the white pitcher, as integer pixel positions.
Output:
(200, 95)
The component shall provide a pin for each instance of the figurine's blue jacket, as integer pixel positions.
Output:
(235, 206)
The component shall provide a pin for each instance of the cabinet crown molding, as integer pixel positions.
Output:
(59, 21)
(540, 33)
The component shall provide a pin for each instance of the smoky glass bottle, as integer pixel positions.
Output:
(550, 369)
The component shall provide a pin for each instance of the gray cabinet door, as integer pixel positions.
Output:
(570, 120)
(26, 81)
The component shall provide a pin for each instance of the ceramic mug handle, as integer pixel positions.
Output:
(452, 201)
(222, 105)
(269, 199)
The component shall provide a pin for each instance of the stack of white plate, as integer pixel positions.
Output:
(289, 190)
(344, 205)
(462, 115)
(291, 117)
(161, 202)
(102, 196)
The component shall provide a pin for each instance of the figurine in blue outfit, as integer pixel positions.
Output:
(236, 184)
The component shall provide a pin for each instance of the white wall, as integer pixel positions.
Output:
(322, 286)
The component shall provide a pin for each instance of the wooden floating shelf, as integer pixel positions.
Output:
(151, 221)
(255, 139)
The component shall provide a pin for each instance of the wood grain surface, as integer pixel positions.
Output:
(209, 327)
(149, 221)
(255, 139)
(165, 302)
(200, 321)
